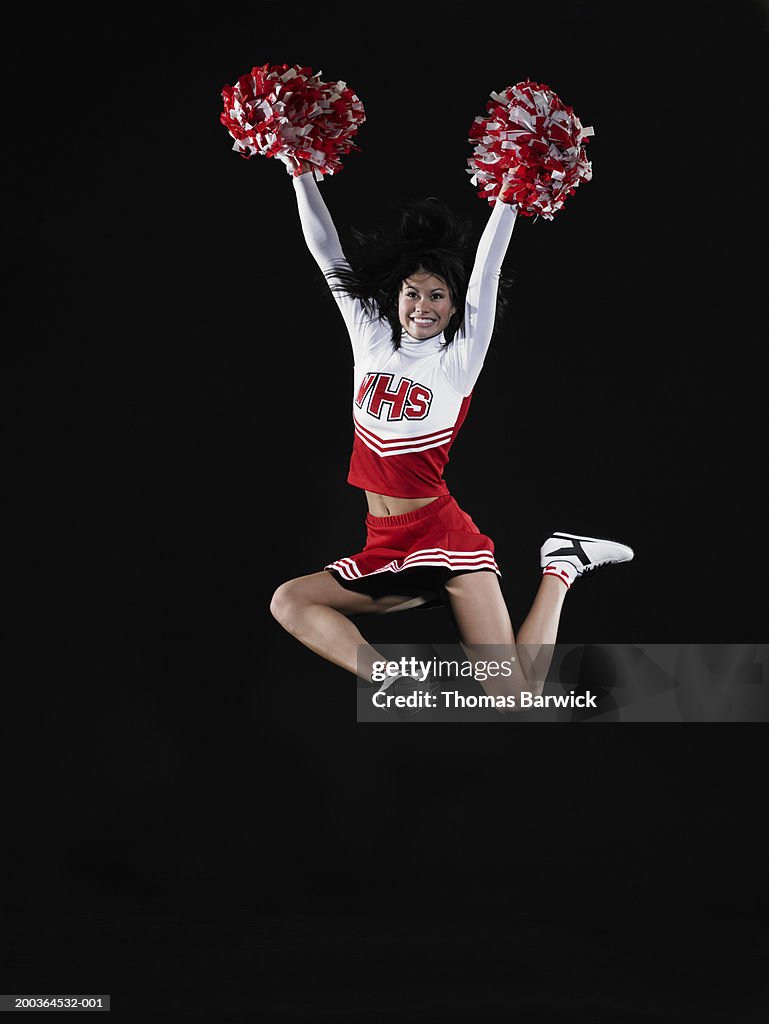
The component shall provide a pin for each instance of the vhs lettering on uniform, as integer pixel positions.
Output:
(365, 386)
(382, 395)
(408, 399)
(420, 399)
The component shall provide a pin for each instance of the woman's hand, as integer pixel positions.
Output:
(301, 167)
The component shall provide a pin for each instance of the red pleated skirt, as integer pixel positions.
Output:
(417, 551)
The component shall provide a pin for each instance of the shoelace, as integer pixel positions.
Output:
(595, 565)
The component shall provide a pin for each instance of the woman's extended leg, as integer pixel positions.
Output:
(316, 608)
(483, 622)
(486, 633)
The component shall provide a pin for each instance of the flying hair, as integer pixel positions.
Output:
(424, 237)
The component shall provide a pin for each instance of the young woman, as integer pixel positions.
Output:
(420, 329)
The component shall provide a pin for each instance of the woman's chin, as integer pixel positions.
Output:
(421, 336)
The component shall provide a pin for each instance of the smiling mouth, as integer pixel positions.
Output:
(422, 321)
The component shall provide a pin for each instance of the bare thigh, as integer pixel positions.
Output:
(479, 609)
(482, 620)
(321, 588)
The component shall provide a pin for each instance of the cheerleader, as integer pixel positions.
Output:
(420, 313)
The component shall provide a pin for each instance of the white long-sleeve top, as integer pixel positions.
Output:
(408, 403)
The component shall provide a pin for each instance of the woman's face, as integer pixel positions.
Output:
(425, 306)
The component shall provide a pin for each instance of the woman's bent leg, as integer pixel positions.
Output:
(486, 633)
(315, 609)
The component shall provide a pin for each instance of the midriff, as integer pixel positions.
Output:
(385, 505)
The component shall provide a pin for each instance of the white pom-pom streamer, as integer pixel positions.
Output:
(288, 113)
(528, 150)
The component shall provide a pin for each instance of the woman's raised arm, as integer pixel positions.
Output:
(465, 356)
(318, 228)
(323, 242)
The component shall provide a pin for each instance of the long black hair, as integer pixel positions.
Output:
(427, 237)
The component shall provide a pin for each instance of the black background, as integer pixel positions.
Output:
(192, 816)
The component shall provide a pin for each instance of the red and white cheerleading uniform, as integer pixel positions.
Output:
(408, 406)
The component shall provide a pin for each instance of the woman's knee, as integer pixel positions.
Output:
(286, 602)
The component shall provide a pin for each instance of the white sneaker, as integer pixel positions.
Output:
(568, 556)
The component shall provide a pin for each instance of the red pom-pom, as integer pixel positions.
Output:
(286, 111)
(528, 150)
